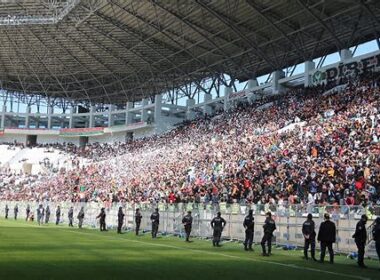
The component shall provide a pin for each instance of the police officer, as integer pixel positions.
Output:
(187, 222)
(6, 211)
(376, 235)
(269, 227)
(155, 219)
(80, 217)
(57, 215)
(16, 211)
(249, 224)
(102, 219)
(360, 237)
(217, 224)
(70, 215)
(47, 214)
(308, 231)
(120, 219)
(27, 212)
(138, 218)
(327, 236)
(40, 214)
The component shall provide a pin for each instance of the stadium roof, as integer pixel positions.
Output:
(118, 50)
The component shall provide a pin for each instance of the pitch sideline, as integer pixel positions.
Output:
(211, 253)
(227, 256)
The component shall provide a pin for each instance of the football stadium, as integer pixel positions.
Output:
(190, 139)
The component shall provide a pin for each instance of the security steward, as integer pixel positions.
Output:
(360, 237)
(70, 215)
(269, 227)
(308, 231)
(6, 211)
(80, 217)
(217, 224)
(155, 219)
(249, 224)
(15, 210)
(138, 218)
(187, 222)
(120, 220)
(327, 236)
(102, 219)
(27, 212)
(57, 215)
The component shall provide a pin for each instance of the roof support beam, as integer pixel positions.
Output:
(230, 25)
(283, 34)
(333, 35)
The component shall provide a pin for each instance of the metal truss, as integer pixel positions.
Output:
(37, 12)
(113, 51)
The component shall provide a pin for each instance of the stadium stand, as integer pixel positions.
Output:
(308, 147)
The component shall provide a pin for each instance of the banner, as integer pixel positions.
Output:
(76, 132)
(347, 70)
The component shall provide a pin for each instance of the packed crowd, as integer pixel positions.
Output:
(302, 147)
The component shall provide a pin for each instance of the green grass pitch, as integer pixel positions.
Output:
(28, 251)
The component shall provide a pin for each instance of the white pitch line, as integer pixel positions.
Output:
(229, 256)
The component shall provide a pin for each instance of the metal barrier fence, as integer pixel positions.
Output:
(288, 219)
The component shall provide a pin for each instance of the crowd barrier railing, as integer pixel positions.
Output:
(288, 218)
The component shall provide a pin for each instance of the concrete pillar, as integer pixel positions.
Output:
(276, 76)
(111, 108)
(49, 116)
(157, 108)
(190, 114)
(345, 54)
(227, 92)
(91, 118)
(4, 110)
(309, 66)
(252, 83)
(128, 115)
(207, 109)
(71, 120)
(144, 112)
(27, 118)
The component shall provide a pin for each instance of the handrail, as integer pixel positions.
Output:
(369, 233)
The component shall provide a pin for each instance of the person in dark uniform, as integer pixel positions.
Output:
(47, 214)
(360, 237)
(40, 214)
(16, 211)
(120, 219)
(27, 212)
(269, 227)
(80, 217)
(138, 218)
(327, 236)
(249, 224)
(6, 211)
(155, 219)
(187, 222)
(217, 224)
(102, 219)
(70, 215)
(376, 235)
(57, 215)
(308, 231)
